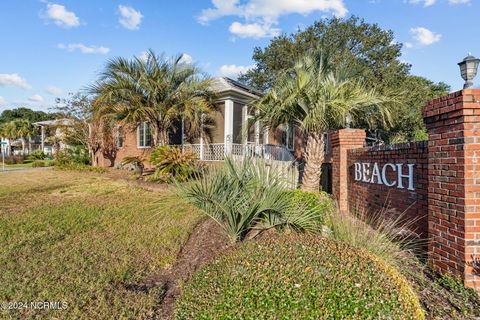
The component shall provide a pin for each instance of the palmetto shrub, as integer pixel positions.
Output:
(248, 197)
(174, 164)
(298, 276)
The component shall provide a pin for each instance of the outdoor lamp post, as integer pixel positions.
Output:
(468, 70)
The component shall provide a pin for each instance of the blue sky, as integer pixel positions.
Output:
(50, 48)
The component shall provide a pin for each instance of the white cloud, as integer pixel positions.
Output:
(426, 3)
(261, 15)
(61, 16)
(130, 18)
(186, 59)
(233, 71)
(13, 80)
(83, 48)
(459, 1)
(408, 45)
(2, 100)
(36, 98)
(253, 30)
(143, 56)
(54, 90)
(424, 36)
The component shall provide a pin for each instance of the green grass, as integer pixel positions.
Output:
(24, 165)
(295, 276)
(79, 238)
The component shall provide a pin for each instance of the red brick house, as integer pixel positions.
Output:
(233, 132)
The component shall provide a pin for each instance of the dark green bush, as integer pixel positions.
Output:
(320, 202)
(73, 155)
(298, 276)
(38, 164)
(37, 155)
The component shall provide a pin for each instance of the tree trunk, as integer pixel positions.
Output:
(24, 147)
(314, 157)
(160, 137)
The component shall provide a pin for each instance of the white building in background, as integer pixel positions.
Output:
(58, 127)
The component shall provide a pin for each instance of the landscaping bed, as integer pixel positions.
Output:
(298, 276)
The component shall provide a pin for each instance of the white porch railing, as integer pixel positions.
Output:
(218, 151)
(278, 157)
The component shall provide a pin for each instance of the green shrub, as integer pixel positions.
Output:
(38, 164)
(247, 197)
(37, 155)
(298, 276)
(173, 164)
(321, 202)
(80, 167)
(76, 155)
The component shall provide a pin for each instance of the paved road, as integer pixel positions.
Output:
(22, 169)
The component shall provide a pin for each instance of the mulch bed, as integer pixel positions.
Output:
(205, 243)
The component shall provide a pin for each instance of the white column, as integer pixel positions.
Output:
(245, 124)
(42, 129)
(201, 137)
(265, 135)
(228, 131)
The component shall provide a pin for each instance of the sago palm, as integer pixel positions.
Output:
(315, 96)
(155, 89)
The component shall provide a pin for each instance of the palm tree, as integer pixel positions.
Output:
(157, 90)
(19, 129)
(316, 97)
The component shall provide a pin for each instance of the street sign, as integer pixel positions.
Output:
(3, 142)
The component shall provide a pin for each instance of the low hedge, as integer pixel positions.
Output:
(298, 276)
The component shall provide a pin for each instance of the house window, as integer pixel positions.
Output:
(119, 137)
(288, 136)
(144, 135)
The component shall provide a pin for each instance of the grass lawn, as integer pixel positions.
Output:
(79, 238)
(23, 165)
(18, 165)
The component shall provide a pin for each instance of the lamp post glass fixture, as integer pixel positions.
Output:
(468, 70)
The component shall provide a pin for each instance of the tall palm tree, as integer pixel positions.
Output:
(19, 129)
(155, 89)
(316, 96)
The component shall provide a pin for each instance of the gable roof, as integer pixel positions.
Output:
(224, 85)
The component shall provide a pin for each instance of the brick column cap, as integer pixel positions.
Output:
(450, 105)
(350, 137)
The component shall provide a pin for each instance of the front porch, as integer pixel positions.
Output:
(235, 131)
(218, 151)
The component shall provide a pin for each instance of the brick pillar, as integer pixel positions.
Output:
(341, 141)
(453, 124)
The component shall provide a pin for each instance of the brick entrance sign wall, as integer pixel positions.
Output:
(437, 183)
